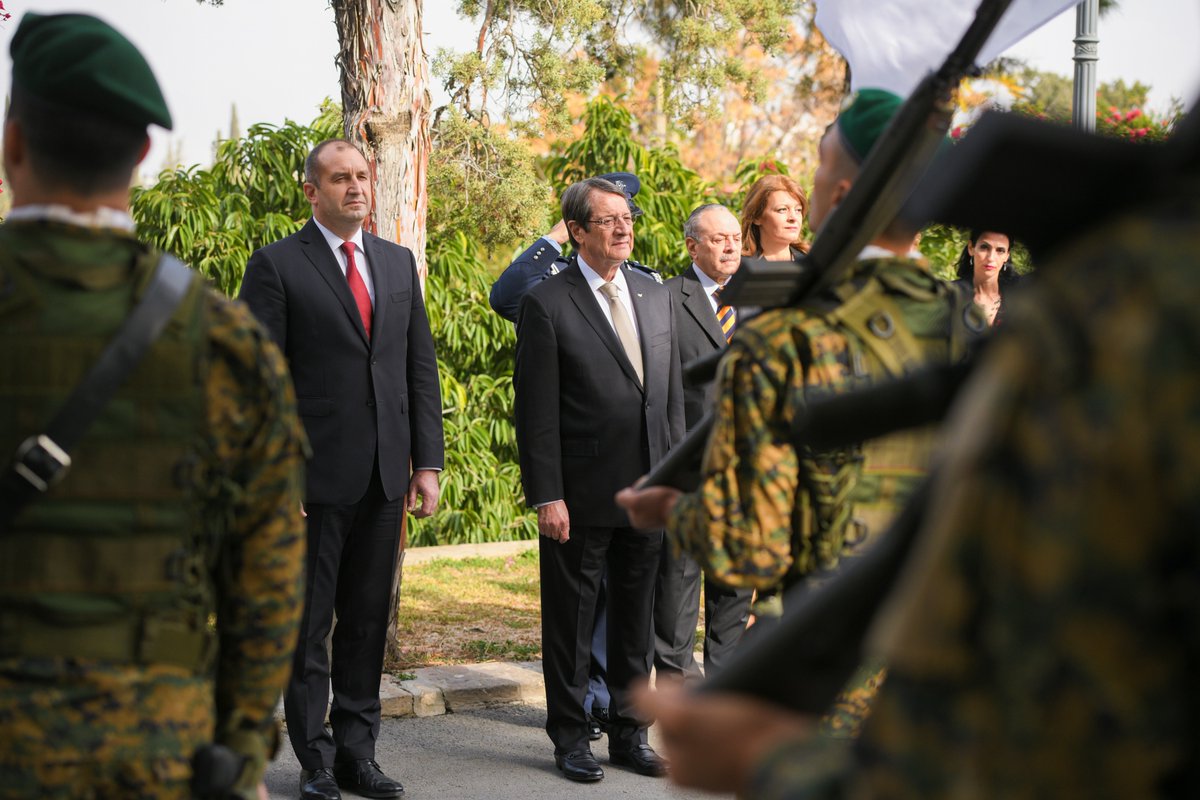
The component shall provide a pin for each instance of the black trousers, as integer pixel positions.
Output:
(570, 575)
(676, 611)
(352, 552)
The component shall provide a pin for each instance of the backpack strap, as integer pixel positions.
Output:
(44, 458)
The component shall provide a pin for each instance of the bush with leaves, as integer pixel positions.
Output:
(251, 196)
(481, 485)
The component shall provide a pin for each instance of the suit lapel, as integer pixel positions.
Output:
(317, 251)
(581, 296)
(697, 304)
(650, 319)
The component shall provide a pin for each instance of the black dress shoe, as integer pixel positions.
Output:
(600, 715)
(594, 731)
(318, 784)
(366, 778)
(579, 765)
(641, 759)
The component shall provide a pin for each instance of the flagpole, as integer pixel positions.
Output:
(1083, 107)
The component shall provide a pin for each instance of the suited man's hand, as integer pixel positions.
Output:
(715, 741)
(648, 509)
(554, 522)
(424, 485)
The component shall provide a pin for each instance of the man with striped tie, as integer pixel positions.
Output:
(703, 325)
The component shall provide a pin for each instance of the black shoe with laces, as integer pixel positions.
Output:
(366, 778)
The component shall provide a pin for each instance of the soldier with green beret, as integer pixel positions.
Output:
(766, 514)
(1044, 637)
(149, 600)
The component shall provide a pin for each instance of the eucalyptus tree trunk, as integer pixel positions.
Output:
(385, 111)
(385, 108)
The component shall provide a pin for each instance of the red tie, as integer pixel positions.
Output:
(362, 298)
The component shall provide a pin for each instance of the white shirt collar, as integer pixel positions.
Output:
(595, 281)
(875, 251)
(102, 217)
(335, 241)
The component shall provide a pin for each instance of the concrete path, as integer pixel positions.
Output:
(497, 753)
(476, 730)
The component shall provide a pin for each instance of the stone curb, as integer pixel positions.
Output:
(444, 690)
(423, 555)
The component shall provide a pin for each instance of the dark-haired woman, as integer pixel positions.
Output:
(986, 267)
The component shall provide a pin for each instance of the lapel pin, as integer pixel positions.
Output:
(639, 294)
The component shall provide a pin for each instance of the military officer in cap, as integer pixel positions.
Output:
(149, 600)
(766, 514)
(544, 257)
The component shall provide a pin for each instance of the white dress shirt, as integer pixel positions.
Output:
(709, 285)
(595, 282)
(360, 256)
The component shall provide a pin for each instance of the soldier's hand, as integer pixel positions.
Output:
(262, 792)
(423, 493)
(559, 233)
(554, 522)
(649, 508)
(715, 741)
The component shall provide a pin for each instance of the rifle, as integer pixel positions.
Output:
(888, 175)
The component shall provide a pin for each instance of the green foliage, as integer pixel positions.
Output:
(481, 490)
(215, 218)
(669, 189)
(532, 53)
(482, 183)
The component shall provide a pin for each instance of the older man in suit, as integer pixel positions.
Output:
(346, 309)
(703, 325)
(598, 400)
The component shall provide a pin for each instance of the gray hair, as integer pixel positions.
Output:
(577, 202)
(311, 171)
(693, 220)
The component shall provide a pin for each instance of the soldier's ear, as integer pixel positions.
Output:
(840, 190)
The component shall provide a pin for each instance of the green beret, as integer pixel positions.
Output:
(865, 120)
(78, 61)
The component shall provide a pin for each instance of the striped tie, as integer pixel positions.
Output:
(726, 315)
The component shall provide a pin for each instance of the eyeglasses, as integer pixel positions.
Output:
(609, 222)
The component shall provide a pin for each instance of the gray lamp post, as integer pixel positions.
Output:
(1083, 107)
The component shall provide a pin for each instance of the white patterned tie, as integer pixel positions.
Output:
(624, 327)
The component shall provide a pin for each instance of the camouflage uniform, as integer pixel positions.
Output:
(1046, 639)
(87, 727)
(766, 514)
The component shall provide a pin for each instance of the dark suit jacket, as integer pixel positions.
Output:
(585, 427)
(699, 334)
(357, 398)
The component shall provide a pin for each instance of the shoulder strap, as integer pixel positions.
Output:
(43, 459)
(874, 319)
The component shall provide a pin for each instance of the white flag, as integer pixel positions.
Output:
(892, 44)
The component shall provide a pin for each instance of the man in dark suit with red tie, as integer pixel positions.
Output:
(702, 325)
(345, 307)
(598, 401)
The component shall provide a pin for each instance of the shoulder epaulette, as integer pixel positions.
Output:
(653, 273)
